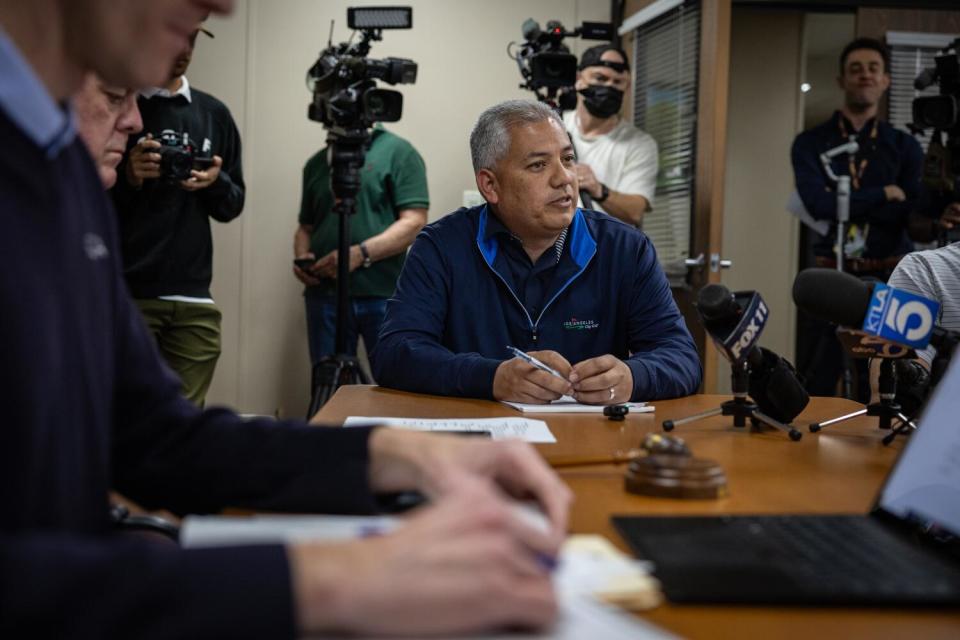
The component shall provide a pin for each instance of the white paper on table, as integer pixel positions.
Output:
(499, 428)
(566, 404)
(581, 615)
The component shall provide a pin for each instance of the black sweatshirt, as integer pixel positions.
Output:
(89, 406)
(165, 230)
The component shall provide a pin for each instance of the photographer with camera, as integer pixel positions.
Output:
(184, 171)
(616, 162)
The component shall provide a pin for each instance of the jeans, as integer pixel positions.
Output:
(364, 317)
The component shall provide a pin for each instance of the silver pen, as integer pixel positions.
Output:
(533, 361)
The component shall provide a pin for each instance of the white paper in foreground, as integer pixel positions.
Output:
(582, 617)
(500, 428)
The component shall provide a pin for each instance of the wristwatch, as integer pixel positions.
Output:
(604, 193)
(366, 256)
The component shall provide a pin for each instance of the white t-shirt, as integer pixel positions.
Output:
(625, 159)
(933, 274)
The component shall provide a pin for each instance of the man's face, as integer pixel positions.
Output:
(533, 189)
(604, 76)
(106, 116)
(864, 79)
(183, 60)
(133, 43)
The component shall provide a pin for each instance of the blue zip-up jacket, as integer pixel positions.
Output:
(448, 324)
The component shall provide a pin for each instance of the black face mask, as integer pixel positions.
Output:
(602, 102)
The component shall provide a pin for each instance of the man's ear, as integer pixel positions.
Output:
(840, 81)
(580, 83)
(886, 81)
(488, 186)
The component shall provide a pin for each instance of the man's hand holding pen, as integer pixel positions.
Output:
(539, 377)
(520, 380)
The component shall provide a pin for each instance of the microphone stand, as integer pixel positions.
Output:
(740, 407)
(886, 410)
(946, 343)
(843, 217)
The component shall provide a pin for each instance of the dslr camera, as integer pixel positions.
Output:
(343, 79)
(942, 114)
(179, 155)
(546, 64)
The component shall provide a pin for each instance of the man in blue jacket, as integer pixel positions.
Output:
(579, 290)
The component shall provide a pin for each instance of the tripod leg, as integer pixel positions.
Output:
(668, 425)
(817, 426)
(767, 420)
(905, 425)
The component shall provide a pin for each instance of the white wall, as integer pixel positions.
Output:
(256, 65)
(763, 118)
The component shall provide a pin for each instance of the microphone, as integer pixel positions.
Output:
(848, 147)
(926, 78)
(530, 29)
(734, 322)
(877, 310)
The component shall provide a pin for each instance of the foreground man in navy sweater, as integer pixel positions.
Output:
(89, 406)
(579, 290)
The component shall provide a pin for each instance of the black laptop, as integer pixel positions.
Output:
(905, 552)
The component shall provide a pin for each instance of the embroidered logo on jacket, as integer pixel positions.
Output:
(94, 247)
(580, 325)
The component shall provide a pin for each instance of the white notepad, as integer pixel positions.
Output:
(566, 404)
(499, 428)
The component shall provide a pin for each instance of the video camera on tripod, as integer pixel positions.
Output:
(941, 164)
(347, 102)
(546, 64)
(343, 79)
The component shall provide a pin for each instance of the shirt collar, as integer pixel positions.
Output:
(848, 126)
(29, 105)
(184, 90)
(496, 227)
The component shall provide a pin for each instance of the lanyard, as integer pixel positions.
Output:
(857, 172)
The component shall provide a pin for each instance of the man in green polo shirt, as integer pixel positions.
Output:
(391, 210)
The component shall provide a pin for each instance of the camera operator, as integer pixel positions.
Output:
(391, 210)
(617, 163)
(164, 221)
(885, 178)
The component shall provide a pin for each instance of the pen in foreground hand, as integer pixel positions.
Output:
(533, 361)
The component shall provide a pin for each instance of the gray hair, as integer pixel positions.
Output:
(490, 138)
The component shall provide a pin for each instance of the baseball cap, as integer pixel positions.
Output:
(591, 58)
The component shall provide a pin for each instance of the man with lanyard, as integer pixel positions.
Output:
(165, 223)
(885, 185)
(617, 163)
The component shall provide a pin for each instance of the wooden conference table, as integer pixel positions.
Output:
(836, 471)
